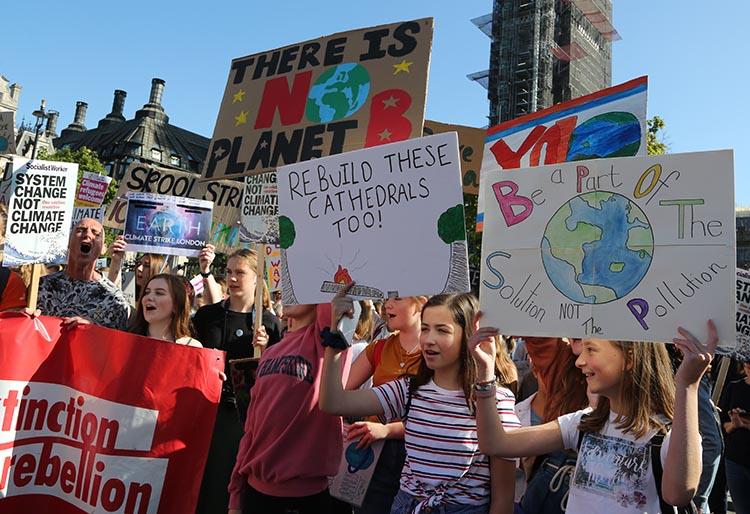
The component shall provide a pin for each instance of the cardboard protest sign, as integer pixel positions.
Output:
(89, 428)
(39, 211)
(80, 213)
(322, 97)
(167, 224)
(470, 148)
(226, 196)
(259, 220)
(625, 248)
(608, 123)
(355, 471)
(273, 267)
(92, 190)
(391, 218)
(743, 315)
(7, 132)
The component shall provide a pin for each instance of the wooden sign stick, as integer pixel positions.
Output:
(259, 281)
(720, 379)
(36, 273)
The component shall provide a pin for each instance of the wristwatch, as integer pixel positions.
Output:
(205, 275)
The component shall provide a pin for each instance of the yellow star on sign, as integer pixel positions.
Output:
(402, 66)
(386, 134)
(240, 119)
(391, 101)
(238, 96)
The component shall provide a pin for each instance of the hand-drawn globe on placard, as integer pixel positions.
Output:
(338, 93)
(613, 134)
(358, 458)
(597, 247)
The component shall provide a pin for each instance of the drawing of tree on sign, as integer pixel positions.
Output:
(452, 231)
(287, 235)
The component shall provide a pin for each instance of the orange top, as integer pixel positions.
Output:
(14, 295)
(394, 363)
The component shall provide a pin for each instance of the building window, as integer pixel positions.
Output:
(175, 160)
(156, 154)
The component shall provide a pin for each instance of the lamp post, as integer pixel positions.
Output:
(41, 115)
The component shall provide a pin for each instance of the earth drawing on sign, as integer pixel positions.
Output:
(597, 247)
(338, 93)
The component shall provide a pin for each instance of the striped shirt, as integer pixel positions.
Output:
(443, 463)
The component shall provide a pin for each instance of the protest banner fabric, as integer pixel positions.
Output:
(391, 218)
(7, 132)
(334, 94)
(92, 190)
(259, 220)
(743, 315)
(225, 194)
(470, 149)
(273, 267)
(97, 430)
(39, 211)
(625, 248)
(608, 123)
(167, 224)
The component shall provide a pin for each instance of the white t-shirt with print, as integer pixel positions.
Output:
(613, 473)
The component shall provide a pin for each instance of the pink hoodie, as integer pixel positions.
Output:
(290, 447)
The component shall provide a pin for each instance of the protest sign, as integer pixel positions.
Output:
(391, 218)
(470, 148)
(334, 94)
(259, 219)
(89, 428)
(624, 248)
(39, 211)
(79, 213)
(167, 224)
(7, 132)
(608, 123)
(355, 471)
(92, 190)
(743, 315)
(273, 267)
(225, 194)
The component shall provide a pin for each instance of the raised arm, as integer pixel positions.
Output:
(493, 439)
(211, 288)
(116, 253)
(682, 469)
(359, 373)
(333, 398)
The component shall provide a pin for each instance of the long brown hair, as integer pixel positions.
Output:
(463, 308)
(180, 324)
(647, 390)
(251, 257)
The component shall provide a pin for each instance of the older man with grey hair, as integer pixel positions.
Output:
(79, 293)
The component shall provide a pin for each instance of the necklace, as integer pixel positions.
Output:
(408, 352)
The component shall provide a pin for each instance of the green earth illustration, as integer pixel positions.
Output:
(338, 93)
(597, 247)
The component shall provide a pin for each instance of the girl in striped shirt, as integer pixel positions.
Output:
(444, 471)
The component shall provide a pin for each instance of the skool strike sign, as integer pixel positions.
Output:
(322, 97)
(85, 427)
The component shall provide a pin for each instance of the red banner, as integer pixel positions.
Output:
(98, 420)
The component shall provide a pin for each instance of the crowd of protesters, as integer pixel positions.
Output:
(471, 421)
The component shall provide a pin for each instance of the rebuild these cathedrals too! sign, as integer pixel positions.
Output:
(40, 210)
(326, 96)
(626, 248)
(390, 218)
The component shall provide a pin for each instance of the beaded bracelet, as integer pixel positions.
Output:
(485, 389)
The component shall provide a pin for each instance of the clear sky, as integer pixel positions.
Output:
(692, 51)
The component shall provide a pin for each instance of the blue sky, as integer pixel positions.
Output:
(694, 55)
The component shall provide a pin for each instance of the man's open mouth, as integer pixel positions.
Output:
(85, 248)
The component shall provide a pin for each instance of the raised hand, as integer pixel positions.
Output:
(116, 250)
(696, 356)
(342, 305)
(483, 346)
(206, 257)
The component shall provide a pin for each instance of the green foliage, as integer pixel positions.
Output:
(655, 139)
(287, 233)
(451, 225)
(473, 238)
